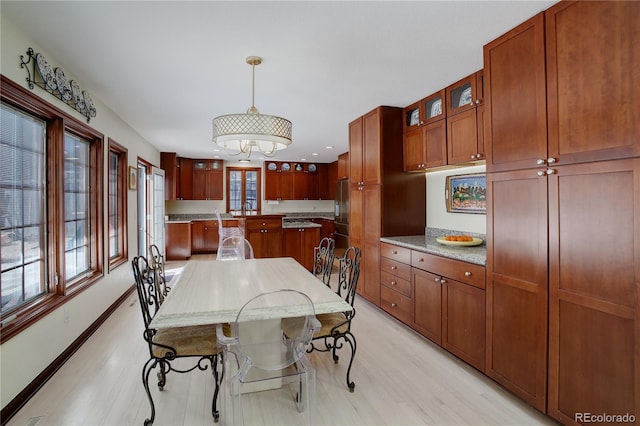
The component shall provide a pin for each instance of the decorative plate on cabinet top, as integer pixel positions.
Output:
(286, 167)
(46, 72)
(272, 166)
(452, 240)
(465, 97)
(64, 88)
(312, 167)
(77, 95)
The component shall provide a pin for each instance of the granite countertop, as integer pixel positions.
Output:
(428, 244)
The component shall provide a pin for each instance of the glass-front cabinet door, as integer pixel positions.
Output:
(434, 107)
(465, 94)
(413, 117)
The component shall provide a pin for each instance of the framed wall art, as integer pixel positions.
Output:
(466, 193)
(133, 178)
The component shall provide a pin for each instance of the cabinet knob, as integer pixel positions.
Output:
(421, 259)
(394, 268)
(393, 283)
(436, 279)
(467, 274)
(478, 156)
(393, 305)
(477, 101)
(551, 160)
(540, 162)
(394, 252)
(550, 171)
(541, 173)
(473, 156)
(443, 281)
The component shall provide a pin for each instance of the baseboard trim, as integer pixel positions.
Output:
(23, 397)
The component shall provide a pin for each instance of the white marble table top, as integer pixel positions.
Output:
(212, 292)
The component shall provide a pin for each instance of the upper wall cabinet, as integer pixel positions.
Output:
(188, 179)
(593, 81)
(465, 131)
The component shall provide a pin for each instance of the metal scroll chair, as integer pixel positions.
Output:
(336, 327)
(323, 256)
(166, 345)
(259, 355)
(235, 248)
(156, 262)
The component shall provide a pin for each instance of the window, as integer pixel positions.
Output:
(50, 207)
(243, 190)
(118, 169)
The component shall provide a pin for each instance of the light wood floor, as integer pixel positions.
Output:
(401, 379)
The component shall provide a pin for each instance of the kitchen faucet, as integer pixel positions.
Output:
(246, 206)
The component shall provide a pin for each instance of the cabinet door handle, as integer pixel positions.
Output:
(540, 162)
(393, 283)
(541, 173)
(551, 160)
(436, 279)
(443, 281)
(550, 171)
(393, 305)
(467, 274)
(393, 268)
(394, 252)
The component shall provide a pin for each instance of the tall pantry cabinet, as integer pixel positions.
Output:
(383, 200)
(563, 180)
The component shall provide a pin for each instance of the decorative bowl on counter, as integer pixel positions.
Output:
(466, 242)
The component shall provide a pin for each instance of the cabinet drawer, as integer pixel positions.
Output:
(396, 304)
(396, 253)
(464, 272)
(253, 224)
(401, 270)
(396, 283)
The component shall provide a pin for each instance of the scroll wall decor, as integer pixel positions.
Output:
(54, 81)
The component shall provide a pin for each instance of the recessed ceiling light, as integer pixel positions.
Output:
(330, 147)
(303, 159)
(314, 153)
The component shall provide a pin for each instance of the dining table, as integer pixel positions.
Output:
(213, 292)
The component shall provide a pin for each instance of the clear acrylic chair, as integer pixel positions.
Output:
(227, 231)
(259, 355)
(323, 256)
(235, 248)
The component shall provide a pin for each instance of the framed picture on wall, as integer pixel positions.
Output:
(466, 193)
(133, 178)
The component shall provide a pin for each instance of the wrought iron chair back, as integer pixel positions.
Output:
(323, 256)
(165, 345)
(336, 328)
(156, 262)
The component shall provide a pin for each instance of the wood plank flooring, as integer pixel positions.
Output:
(401, 379)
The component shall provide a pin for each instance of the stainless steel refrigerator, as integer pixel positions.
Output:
(341, 234)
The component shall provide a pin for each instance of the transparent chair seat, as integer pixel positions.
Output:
(261, 355)
(234, 248)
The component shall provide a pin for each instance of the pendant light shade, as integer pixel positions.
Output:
(252, 131)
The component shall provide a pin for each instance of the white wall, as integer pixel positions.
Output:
(437, 215)
(26, 355)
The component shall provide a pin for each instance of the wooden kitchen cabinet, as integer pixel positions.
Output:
(204, 236)
(177, 240)
(449, 305)
(299, 243)
(515, 101)
(594, 272)
(592, 81)
(426, 147)
(169, 163)
(207, 180)
(465, 141)
(384, 201)
(343, 166)
(265, 235)
(326, 181)
(185, 179)
(396, 295)
(296, 181)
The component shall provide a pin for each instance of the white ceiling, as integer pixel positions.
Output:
(168, 67)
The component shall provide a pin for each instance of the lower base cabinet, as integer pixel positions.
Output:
(265, 236)
(178, 240)
(299, 244)
(443, 299)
